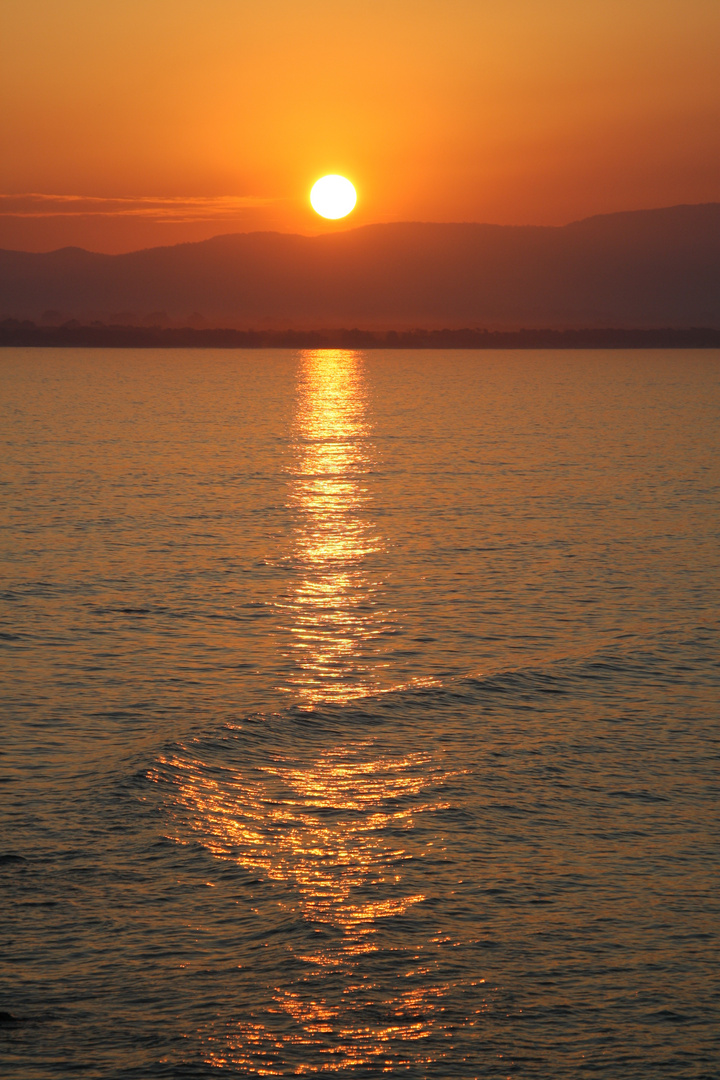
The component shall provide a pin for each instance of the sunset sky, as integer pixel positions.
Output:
(142, 122)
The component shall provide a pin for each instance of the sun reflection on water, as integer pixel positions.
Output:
(323, 827)
(335, 832)
(334, 617)
(334, 824)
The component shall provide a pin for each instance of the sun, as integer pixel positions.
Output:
(333, 196)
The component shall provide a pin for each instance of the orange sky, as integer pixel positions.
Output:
(180, 119)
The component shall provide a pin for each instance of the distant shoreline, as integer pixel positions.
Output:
(19, 333)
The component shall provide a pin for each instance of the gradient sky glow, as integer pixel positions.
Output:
(172, 120)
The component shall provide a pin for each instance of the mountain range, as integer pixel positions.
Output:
(647, 268)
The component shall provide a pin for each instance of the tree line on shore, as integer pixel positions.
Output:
(73, 334)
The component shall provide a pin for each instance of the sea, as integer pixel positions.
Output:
(359, 714)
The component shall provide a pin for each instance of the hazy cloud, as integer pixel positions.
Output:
(173, 209)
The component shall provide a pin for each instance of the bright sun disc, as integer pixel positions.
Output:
(333, 196)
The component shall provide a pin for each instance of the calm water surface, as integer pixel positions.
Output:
(360, 714)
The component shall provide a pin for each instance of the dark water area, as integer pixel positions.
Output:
(359, 714)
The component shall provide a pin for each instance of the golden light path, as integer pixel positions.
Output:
(334, 826)
(334, 616)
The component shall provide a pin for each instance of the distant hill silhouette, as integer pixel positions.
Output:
(645, 269)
